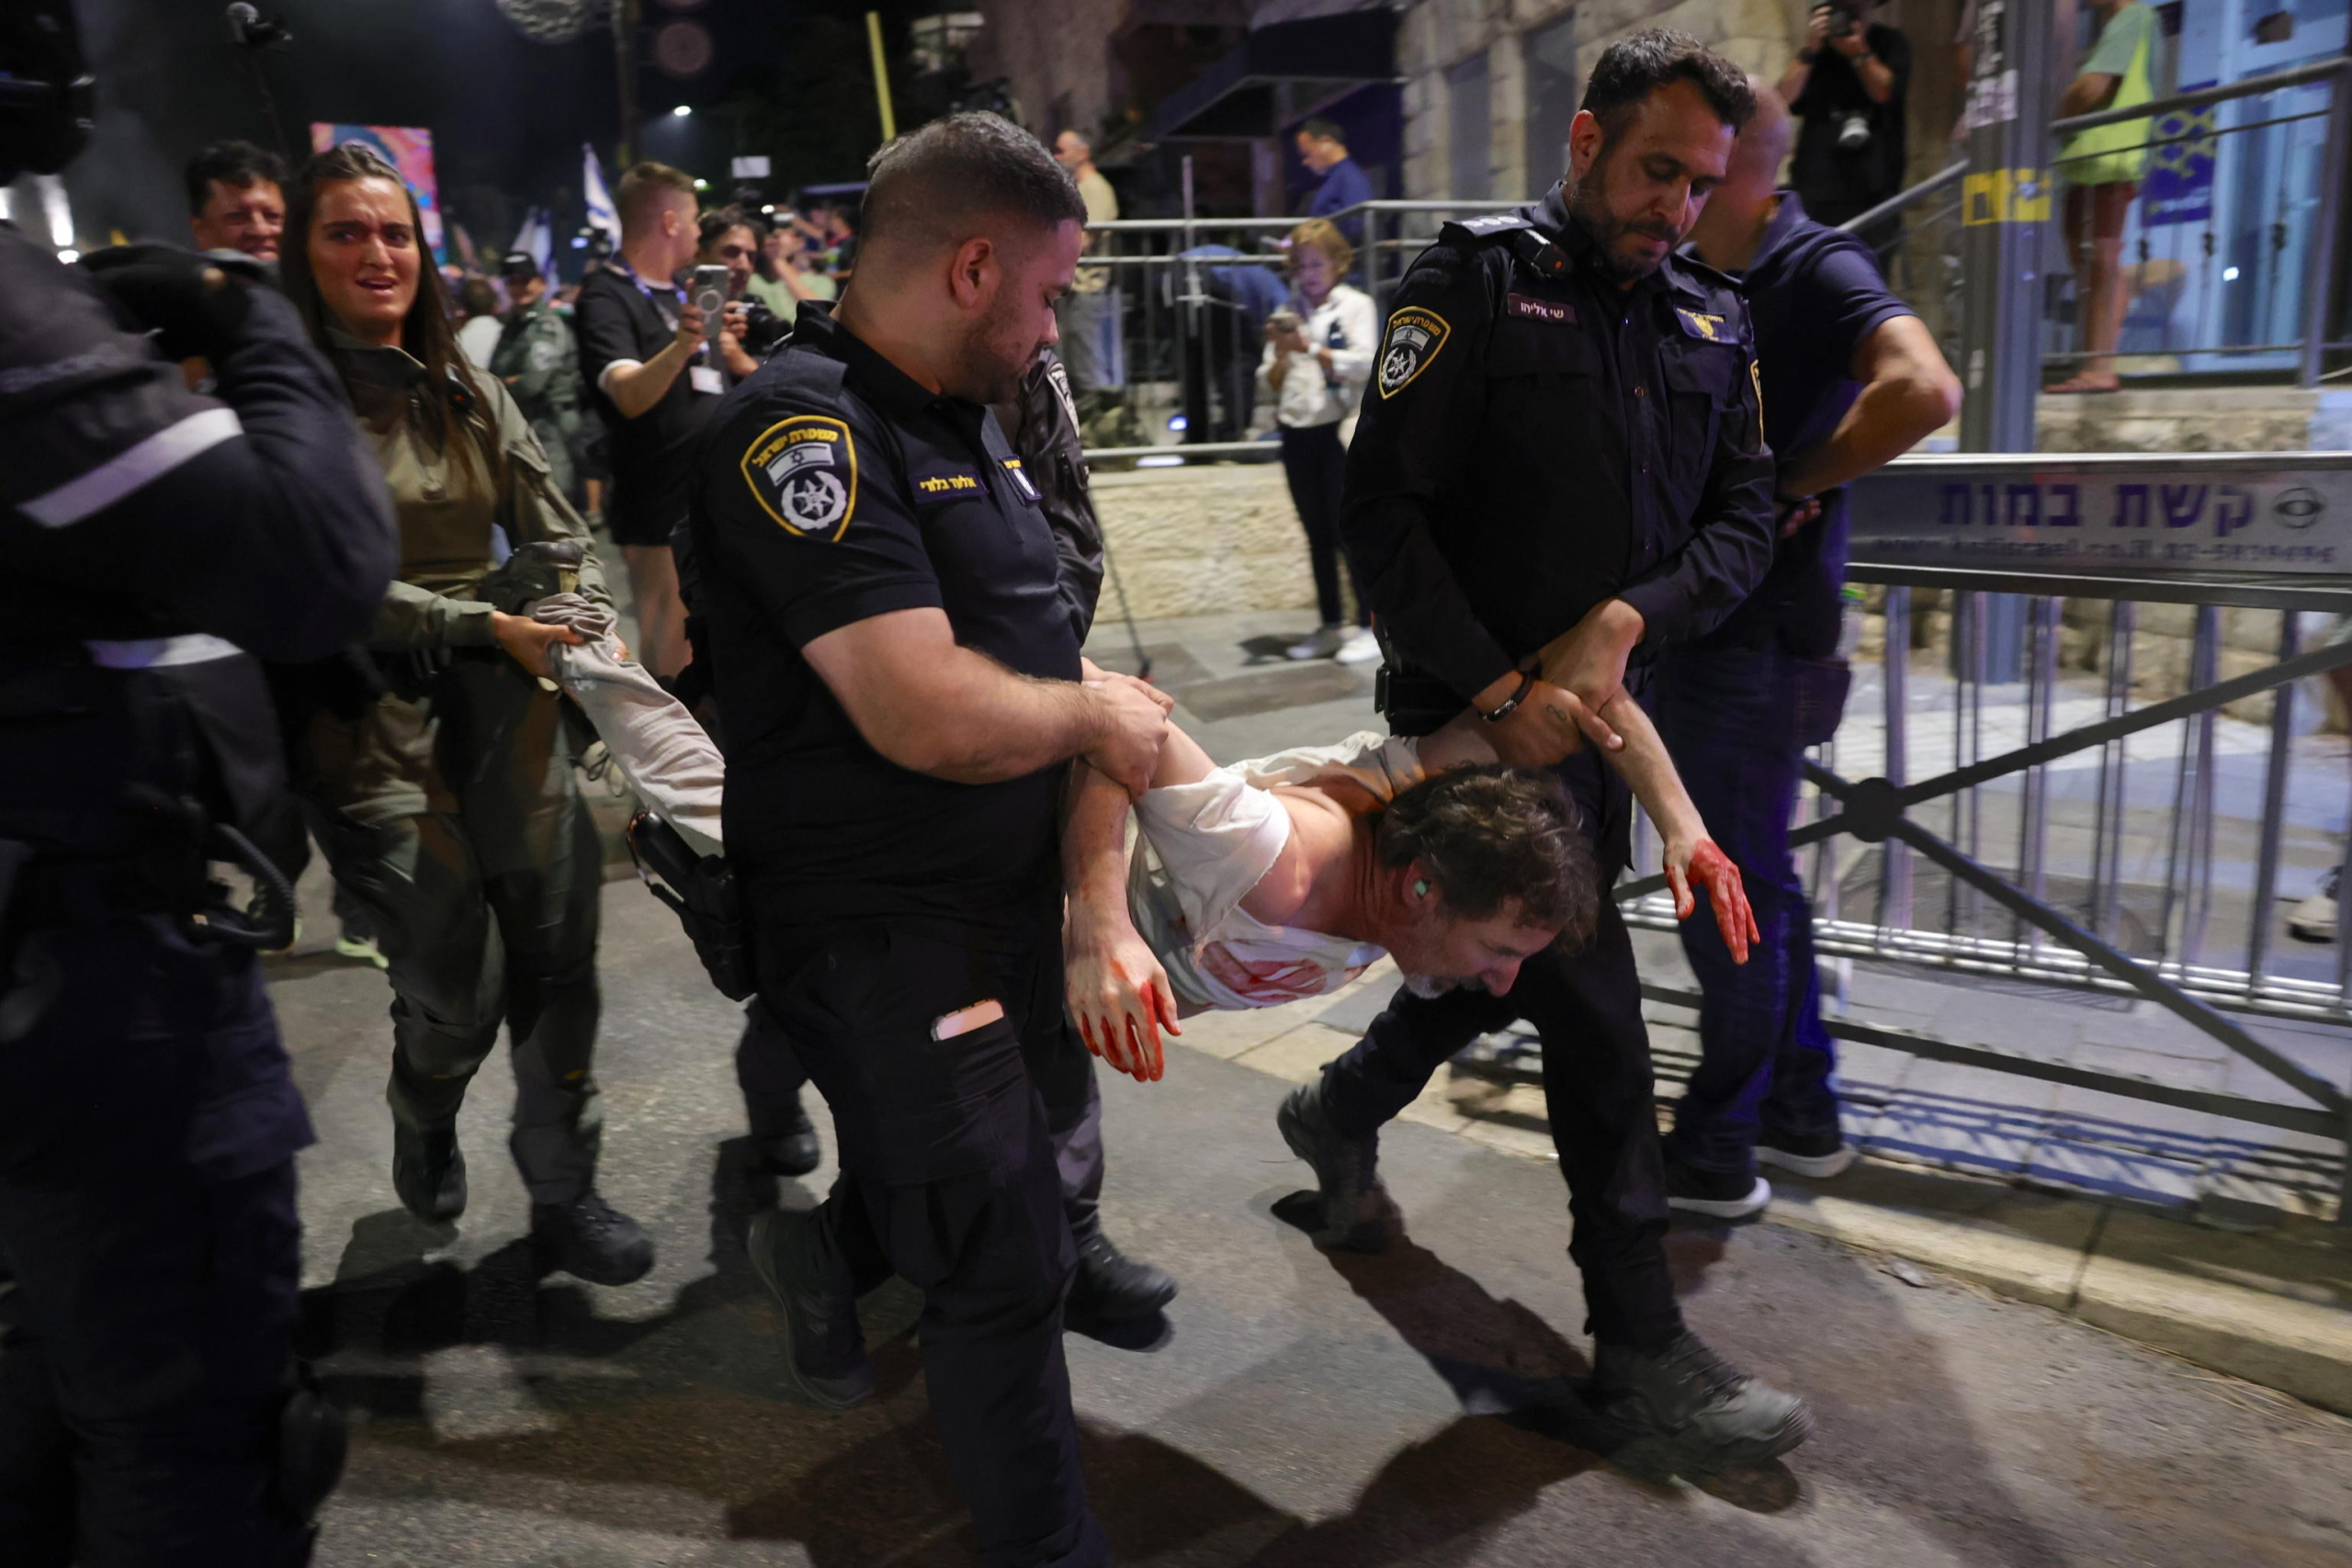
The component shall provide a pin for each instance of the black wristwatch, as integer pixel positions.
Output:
(1511, 703)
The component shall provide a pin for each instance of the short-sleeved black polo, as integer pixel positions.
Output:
(831, 488)
(1814, 295)
(651, 454)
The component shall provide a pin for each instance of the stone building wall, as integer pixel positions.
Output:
(1207, 540)
(1437, 35)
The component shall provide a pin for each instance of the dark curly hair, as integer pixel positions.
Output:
(1633, 68)
(1493, 838)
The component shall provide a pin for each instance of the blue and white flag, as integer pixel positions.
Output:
(602, 213)
(536, 240)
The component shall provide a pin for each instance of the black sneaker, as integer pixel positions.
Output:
(1688, 1411)
(1355, 1205)
(592, 1240)
(784, 1142)
(1713, 1194)
(1817, 1154)
(1111, 1287)
(429, 1173)
(824, 1349)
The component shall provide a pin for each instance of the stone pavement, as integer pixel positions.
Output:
(1294, 1410)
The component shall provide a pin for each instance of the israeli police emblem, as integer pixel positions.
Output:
(803, 472)
(1415, 336)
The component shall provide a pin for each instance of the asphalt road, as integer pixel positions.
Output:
(1294, 1410)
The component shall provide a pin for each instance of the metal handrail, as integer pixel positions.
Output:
(2251, 88)
(1903, 200)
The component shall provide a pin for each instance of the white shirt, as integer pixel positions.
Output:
(478, 339)
(1212, 841)
(1345, 324)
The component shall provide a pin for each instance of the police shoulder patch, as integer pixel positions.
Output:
(803, 472)
(1415, 336)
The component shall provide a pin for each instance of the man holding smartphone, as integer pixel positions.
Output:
(645, 350)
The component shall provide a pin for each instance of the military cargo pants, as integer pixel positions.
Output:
(485, 903)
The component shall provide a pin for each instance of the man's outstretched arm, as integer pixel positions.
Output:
(1118, 991)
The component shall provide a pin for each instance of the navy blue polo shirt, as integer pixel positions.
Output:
(1814, 296)
(831, 488)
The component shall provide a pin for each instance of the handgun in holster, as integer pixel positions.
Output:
(701, 890)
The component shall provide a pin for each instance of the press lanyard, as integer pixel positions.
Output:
(654, 294)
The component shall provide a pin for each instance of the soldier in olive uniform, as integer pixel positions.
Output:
(537, 360)
(447, 805)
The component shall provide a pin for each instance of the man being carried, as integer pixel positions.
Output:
(1285, 877)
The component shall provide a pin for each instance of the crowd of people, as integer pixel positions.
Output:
(861, 554)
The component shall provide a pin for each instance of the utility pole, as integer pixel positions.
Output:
(2005, 215)
(881, 75)
(2005, 209)
(625, 15)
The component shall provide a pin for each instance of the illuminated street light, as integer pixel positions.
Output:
(682, 111)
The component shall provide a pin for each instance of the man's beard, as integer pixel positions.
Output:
(987, 373)
(1589, 204)
(1429, 988)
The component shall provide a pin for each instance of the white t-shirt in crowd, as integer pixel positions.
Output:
(478, 339)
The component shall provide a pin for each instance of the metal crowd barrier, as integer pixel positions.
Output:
(1985, 825)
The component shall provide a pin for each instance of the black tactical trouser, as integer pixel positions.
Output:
(948, 1180)
(1597, 1083)
(148, 1124)
(772, 1078)
(486, 907)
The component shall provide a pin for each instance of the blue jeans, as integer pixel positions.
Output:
(1766, 1063)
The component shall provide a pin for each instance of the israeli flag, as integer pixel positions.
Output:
(536, 238)
(602, 213)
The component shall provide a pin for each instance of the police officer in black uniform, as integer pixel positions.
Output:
(150, 1412)
(1561, 468)
(900, 680)
(1109, 1287)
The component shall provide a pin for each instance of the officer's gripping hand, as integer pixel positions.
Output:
(1548, 724)
(194, 304)
(1589, 660)
(1129, 723)
(528, 641)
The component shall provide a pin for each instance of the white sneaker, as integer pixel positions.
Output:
(1358, 647)
(1322, 644)
(2314, 920)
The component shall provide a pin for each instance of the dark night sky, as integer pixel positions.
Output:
(507, 115)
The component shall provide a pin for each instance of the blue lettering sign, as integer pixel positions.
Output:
(2236, 510)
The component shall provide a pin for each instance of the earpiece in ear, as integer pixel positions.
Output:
(1420, 887)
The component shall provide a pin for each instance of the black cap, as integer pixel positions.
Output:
(518, 262)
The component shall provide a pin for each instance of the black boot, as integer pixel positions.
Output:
(1111, 1287)
(824, 1349)
(590, 1238)
(1355, 1205)
(429, 1173)
(1691, 1411)
(784, 1142)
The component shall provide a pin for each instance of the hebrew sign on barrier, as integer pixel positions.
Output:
(2266, 512)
